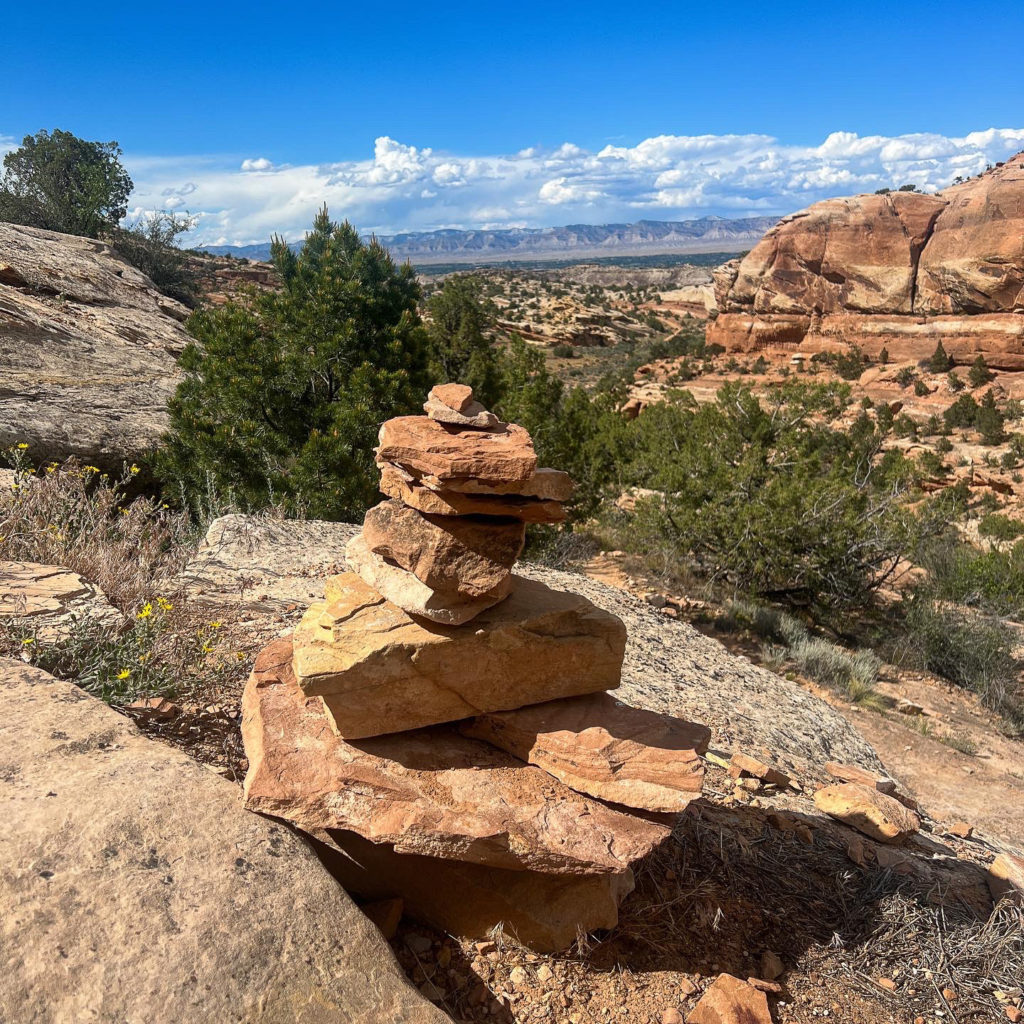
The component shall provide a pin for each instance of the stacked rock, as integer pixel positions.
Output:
(443, 723)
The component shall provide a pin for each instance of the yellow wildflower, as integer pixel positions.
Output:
(147, 610)
(134, 469)
(29, 640)
(165, 605)
(22, 446)
(214, 625)
(91, 469)
(124, 673)
(240, 655)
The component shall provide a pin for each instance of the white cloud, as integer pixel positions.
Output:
(401, 187)
(259, 164)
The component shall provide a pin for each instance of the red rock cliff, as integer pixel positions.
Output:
(900, 271)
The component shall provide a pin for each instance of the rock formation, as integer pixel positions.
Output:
(347, 723)
(134, 888)
(900, 271)
(88, 349)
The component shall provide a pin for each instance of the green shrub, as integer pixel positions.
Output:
(150, 245)
(979, 373)
(1000, 527)
(284, 392)
(939, 362)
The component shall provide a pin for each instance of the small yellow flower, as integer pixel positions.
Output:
(124, 673)
(147, 610)
(214, 625)
(239, 655)
(165, 605)
(91, 469)
(134, 469)
(28, 640)
(207, 648)
(22, 446)
(143, 658)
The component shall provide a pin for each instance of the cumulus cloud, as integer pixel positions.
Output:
(403, 187)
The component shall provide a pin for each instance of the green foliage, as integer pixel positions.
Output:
(770, 499)
(883, 357)
(953, 382)
(979, 373)
(961, 413)
(284, 393)
(906, 376)
(62, 183)
(970, 650)
(988, 420)
(921, 389)
(1000, 528)
(459, 319)
(940, 362)
(150, 245)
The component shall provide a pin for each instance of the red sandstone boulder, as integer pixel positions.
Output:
(381, 670)
(877, 815)
(450, 554)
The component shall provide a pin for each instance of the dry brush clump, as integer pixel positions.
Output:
(73, 515)
(131, 547)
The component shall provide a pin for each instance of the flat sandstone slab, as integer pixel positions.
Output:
(381, 670)
(877, 815)
(396, 483)
(604, 748)
(431, 792)
(426, 446)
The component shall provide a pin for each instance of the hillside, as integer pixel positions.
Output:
(583, 241)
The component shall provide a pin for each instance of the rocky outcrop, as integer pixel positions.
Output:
(133, 886)
(88, 349)
(877, 815)
(47, 602)
(900, 271)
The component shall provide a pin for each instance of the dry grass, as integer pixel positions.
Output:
(75, 516)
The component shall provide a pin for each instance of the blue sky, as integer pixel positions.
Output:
(415, 116)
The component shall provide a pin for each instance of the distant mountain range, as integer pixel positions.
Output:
(645, 237)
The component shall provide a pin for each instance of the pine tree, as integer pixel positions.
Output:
(284, 390)
(979, 373)
(940, 361)
(460, 350)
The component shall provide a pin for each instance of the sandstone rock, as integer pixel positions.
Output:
(741, 764)
(548, 484)
(1006, 876)
(901, 271)
(476, 416)
(382, 670)
(134, 887)
(412, 595)
(457, 555)
(426, 447)
(457, 397)
(430, 791)
(88, 349)
(853, 773)
(395, 483)
(386, 914)
(731, 1001)
(599, 746)
(542, 911)
(48, 600)
(877, 815)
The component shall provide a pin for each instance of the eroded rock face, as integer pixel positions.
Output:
(731, 1001)
(901, 271)
(88, 349)
(431, 792)
(600, 746)
(451, 554)
(134, 887)
(380, 670)
(864, 808)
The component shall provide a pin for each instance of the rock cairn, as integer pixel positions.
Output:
(443, 725)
